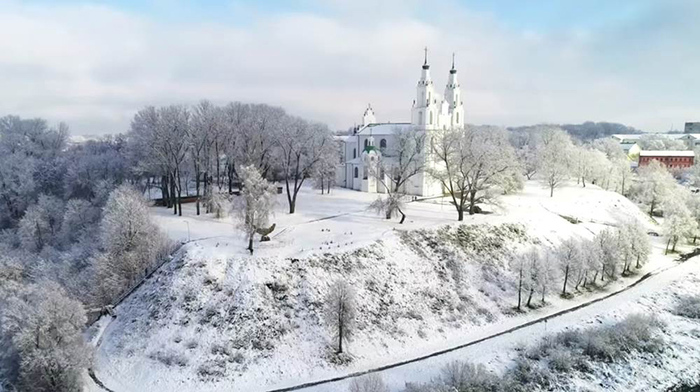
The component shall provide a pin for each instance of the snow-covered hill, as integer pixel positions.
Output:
(218, 317)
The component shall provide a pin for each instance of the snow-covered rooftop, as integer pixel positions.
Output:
(669, 153)
(637, 136)
(382, 128)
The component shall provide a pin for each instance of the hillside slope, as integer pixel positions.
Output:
(217, 317)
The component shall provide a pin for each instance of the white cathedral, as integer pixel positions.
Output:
(430, 112)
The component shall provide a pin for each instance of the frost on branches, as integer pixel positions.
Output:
(45, 328)
(255, 204)
(132, 242)
(474, 165)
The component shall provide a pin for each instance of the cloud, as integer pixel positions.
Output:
(94, 66)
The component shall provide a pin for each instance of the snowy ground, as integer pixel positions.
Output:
(656, 296)
(144, 347)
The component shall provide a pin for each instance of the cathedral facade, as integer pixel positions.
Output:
(430, 112)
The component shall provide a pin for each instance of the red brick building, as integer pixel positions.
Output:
(671, 159)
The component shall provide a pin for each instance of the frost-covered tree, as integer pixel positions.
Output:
(91, 164)
(41, 223)
(607, 253)
(678, 219)
(472, 164)
(302, 145)
(206, 120)
(162, 134)
(554, 158)
(568, 255)
(45, 326)
(255, 204)
(659, 142)
(132, 243)
(590, 259)
(390, 206)
(30, 163)
(525, 266)
(654, 185)
(370, 383)
(639, 242)
(325, 170)
(622, 174)
(341, 312)
(219, 204)
(79, 218)
(257, 128)
(396, 165)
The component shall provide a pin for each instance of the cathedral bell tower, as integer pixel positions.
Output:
(425, 108)
(453, 96)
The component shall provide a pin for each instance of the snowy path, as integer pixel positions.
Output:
(494, 348)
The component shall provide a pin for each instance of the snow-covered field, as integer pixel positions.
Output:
(218, 318)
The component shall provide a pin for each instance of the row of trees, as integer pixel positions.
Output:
(548, 153)
(211, 144)
(579, 263)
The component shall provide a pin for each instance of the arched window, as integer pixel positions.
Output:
(364, 173)
(354, 154)
(357, 172)
(366, 143)
(457, 121)
(428, 96)
(431, 118)
(382, 144)
(420, 117)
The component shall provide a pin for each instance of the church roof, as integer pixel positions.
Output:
(382, 128)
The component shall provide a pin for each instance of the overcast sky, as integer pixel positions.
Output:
(94, 64)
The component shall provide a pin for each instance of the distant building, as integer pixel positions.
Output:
(691, 140)
(671, 159)
(692, 127)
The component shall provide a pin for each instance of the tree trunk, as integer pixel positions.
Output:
(529, 298)
(403, 216)
(544, 290)
(520, 287)
(340, 332)
(566, 279)
(638, 266)
(460, 214)
(165, 196)
(173, 195)
(179, 194)
(551, 190)
(229, 172)
(196, 181)
(667, 244)
(250, 244)
(623, 186)
(472, 198)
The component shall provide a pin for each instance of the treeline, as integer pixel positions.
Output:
(209, 145)
(579, 264)
(75, 234)
(587, 131)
